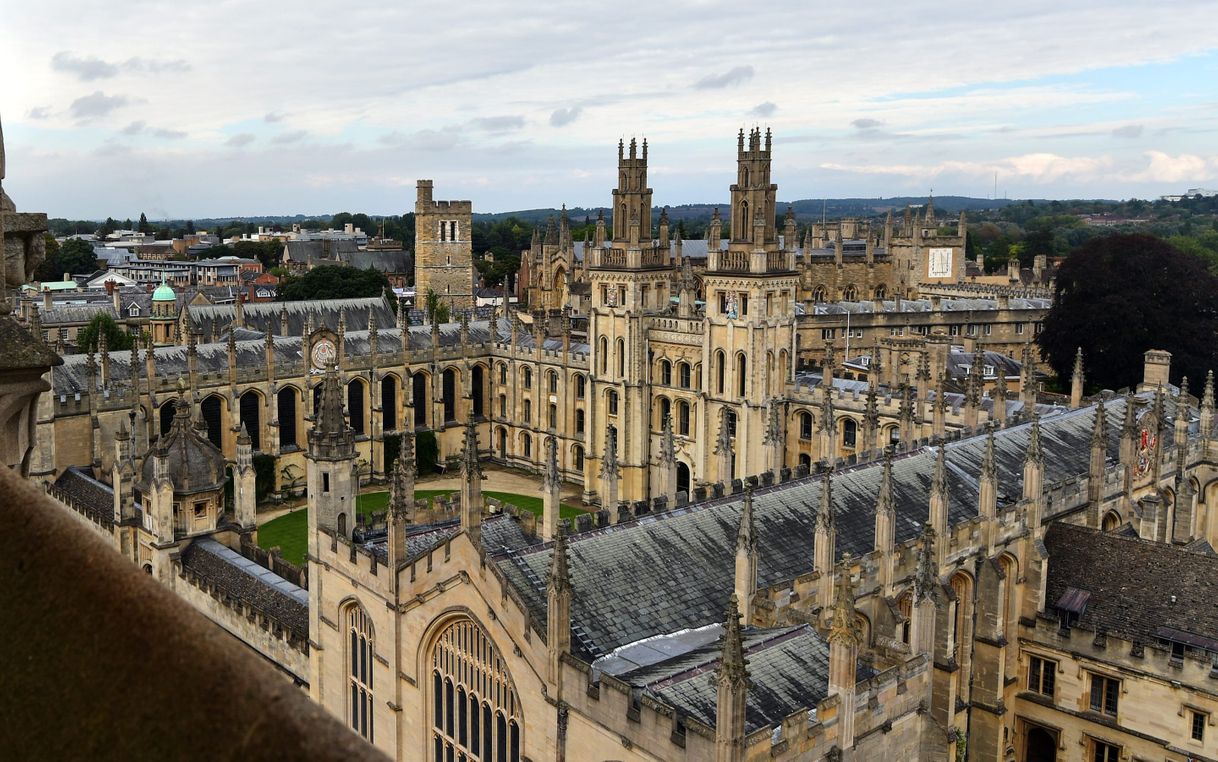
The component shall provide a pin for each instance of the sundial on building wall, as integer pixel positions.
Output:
(323, 355)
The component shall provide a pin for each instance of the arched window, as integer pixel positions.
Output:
(526, 445)
(579, 421)
(476, 714)
(850, 294)
(665, 410)
(355, 405)
(620, 351)
(359, 673)
(526, 377)
(503, 406)
(683, 374)
(720, 370)
(286, 413)
(880, 292)
(818, 294)
(581, 386)
(528, 411)
(604, 353)
(449, 391)
(503, 373)
(553, 416)
(552, 382)
(611, 399)
(389, 403)
(741, 374)
(418, 398)
(210, 409)
(805, 425)
(476, 391)
(666, 372)
(577, 457)
(850, 431)
(683, 418)
(251, 416)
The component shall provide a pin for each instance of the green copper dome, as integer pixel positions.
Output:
(163, 293)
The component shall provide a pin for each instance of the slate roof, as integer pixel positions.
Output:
(248, 582)
(632, 580)
(90, 495)
(1132, 583)
(499, 534)
(213, 320)
(72, 376)
(305, 251)
(788, 669)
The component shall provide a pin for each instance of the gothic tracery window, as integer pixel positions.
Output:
(359, 673)
(475, 710)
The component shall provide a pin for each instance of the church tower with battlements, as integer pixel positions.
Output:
(443, 250)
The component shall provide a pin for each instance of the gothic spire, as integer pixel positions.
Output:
(723, 442)
(668, 443)
(938, 479)
(746, 538)
(772, 433)
(926, 577)
(989, 463)
(558, 578)
(842, 624)
(401, 491)
(733, 669)
(884, 502)
(471, 467)
(553, 477)
(1035, 452)
(609, 465)
(1099, 431)
(824, 516)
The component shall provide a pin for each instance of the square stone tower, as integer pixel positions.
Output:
(443, 250)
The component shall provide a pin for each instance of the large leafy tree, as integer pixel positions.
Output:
(72, 256)
(333, 282)
(1121, 295)
(88, 339)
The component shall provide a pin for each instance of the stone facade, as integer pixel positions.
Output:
(443, 249)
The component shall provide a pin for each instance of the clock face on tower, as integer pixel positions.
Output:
(324, 354)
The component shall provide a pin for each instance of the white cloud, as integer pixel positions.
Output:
(736, 75)
(96, 104)
(240, 140)
(445, 105)
(563, 116)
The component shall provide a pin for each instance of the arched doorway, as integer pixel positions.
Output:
(682, 478)
(1041, 745)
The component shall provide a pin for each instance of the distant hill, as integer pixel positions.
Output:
(806, 209)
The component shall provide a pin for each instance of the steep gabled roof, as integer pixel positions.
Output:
(666, 572)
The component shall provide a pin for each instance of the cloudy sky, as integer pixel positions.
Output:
(187, 109)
